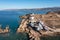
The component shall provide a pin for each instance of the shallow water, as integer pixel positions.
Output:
(21, 36)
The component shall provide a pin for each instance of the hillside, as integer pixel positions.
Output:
(26, 11)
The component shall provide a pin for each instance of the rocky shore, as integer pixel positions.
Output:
(51, 21)
(38, 25)
(6, 30)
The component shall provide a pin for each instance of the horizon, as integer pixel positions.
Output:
(28, 4)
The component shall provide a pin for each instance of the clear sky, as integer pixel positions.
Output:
(20, 4)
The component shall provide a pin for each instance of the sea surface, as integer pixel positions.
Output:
(11, 18)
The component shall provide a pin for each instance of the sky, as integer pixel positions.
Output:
(25, 4)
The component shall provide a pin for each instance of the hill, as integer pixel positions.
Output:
(26, 11)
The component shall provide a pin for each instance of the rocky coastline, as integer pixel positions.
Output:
(51, 20)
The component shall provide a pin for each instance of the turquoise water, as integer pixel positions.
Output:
(11, 18)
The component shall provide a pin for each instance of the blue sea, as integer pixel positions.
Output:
(11, 18)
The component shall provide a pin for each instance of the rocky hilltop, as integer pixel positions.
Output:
(49, 25)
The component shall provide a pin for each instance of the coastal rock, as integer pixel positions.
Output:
(6, 30)
(52, 20)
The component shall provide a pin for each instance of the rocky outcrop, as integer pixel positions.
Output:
(51, 20)
(6, 30)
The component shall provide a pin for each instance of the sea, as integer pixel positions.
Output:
(11, 18)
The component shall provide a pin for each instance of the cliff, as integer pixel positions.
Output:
(51, 20)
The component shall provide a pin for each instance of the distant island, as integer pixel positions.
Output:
(34, 10)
